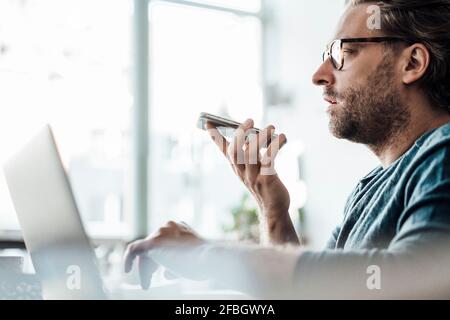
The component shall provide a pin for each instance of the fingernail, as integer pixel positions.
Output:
(248, 122)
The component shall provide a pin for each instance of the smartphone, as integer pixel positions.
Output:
(226, 126)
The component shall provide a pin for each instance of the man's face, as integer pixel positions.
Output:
(365, 95)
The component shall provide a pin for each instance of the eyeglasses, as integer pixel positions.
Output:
(335, 53)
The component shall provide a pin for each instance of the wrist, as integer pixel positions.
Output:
(275, 213)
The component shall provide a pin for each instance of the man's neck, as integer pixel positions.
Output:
(401, 142)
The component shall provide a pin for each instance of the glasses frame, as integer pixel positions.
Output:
(340, 42)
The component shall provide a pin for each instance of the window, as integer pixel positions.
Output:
(67, 62)
(200, 60)
(250, 6)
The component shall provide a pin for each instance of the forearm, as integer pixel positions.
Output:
(277, 229)
(259, 272)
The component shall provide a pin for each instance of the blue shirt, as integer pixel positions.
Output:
(396, 219)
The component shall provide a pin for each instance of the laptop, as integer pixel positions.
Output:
(60, 250)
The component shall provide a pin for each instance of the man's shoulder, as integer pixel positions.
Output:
(433, 140)
(431, 149)
(431, 163)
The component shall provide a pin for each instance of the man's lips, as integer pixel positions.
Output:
(330, 100)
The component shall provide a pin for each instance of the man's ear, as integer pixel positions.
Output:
(417, 61)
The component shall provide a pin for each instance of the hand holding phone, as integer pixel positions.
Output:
(256, 169)
(226, 127)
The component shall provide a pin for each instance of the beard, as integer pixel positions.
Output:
(371, 114)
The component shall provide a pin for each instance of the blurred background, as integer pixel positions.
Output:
(122, 82)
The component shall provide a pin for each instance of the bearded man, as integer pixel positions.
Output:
(388, 89)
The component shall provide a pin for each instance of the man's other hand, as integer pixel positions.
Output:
(170, 243)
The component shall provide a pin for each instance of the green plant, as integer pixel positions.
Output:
(245, 220)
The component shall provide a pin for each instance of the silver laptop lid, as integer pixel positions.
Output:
(51, 225)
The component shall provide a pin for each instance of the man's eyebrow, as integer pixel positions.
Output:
(353, 44)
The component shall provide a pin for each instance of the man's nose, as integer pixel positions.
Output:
(324, 76)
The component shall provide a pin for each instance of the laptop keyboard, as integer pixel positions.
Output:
(14, 286)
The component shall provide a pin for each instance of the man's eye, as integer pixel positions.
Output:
(348, 51)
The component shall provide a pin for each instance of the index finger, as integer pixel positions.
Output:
(218, 139)
(133, 250)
